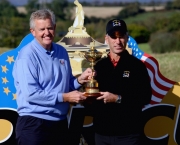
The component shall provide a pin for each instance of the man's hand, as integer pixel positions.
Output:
(73, 97)
(85, 76)
(108, 97)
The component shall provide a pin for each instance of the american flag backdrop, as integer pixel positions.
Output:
(160, 84)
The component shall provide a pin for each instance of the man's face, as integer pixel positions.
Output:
(117, 42)
(44, 32)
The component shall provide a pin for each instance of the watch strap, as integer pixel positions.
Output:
(118, 99)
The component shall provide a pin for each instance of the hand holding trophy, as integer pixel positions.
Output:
(92, 56)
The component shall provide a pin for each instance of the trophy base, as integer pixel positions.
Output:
(92, 94)
(91, 97)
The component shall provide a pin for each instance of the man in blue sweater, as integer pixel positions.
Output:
(45, 85)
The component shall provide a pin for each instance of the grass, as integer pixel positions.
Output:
(4, 49)
(168, 62)
(169, 65)
(145, 47)
(150, 15)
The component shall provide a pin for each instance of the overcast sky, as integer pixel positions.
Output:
(24, 2)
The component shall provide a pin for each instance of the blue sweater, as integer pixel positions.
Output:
(40, 78)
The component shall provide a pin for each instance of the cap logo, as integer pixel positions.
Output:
(116, 23)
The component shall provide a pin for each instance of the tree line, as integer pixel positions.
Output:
(157, 31)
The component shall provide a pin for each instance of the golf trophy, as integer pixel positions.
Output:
(92, 56)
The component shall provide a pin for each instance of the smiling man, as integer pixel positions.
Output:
(44, 85)
(125, 88)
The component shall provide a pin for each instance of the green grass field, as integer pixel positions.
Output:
(168, 63)
(150, 15)
(145, 47)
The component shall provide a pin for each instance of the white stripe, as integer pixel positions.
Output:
(158, 138)
(177, 120)
(161, 104)
(147, 106)
(5, 108)
(162, 82)
(155, 88)
(156, 99)
(88, 125)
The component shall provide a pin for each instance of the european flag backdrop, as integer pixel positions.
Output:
(7, 89)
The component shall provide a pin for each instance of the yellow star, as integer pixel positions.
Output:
(4, 68)
(14, 96)
(10, 59)
(6, 90)
(4, 80)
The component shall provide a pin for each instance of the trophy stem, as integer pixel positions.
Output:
(92, 67)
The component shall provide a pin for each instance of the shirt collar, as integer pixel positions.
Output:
(112, 60)
(42, 49)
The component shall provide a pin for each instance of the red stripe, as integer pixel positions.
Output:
(153, 102)
(165, 88)
(157, 64)
(156, 94)
(158, 84)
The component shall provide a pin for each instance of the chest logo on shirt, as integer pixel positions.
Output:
(61, 61)
(126, 74)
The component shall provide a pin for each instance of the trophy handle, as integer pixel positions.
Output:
(104, 54)
(81, 54)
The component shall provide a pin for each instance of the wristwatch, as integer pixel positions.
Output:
(118, 99)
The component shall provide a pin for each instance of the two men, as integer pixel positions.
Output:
(45, 86)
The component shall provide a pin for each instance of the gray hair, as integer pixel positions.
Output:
(41, 14)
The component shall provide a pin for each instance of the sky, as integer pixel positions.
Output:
(24, 2)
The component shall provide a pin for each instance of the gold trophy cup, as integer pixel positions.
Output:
(92, 56)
